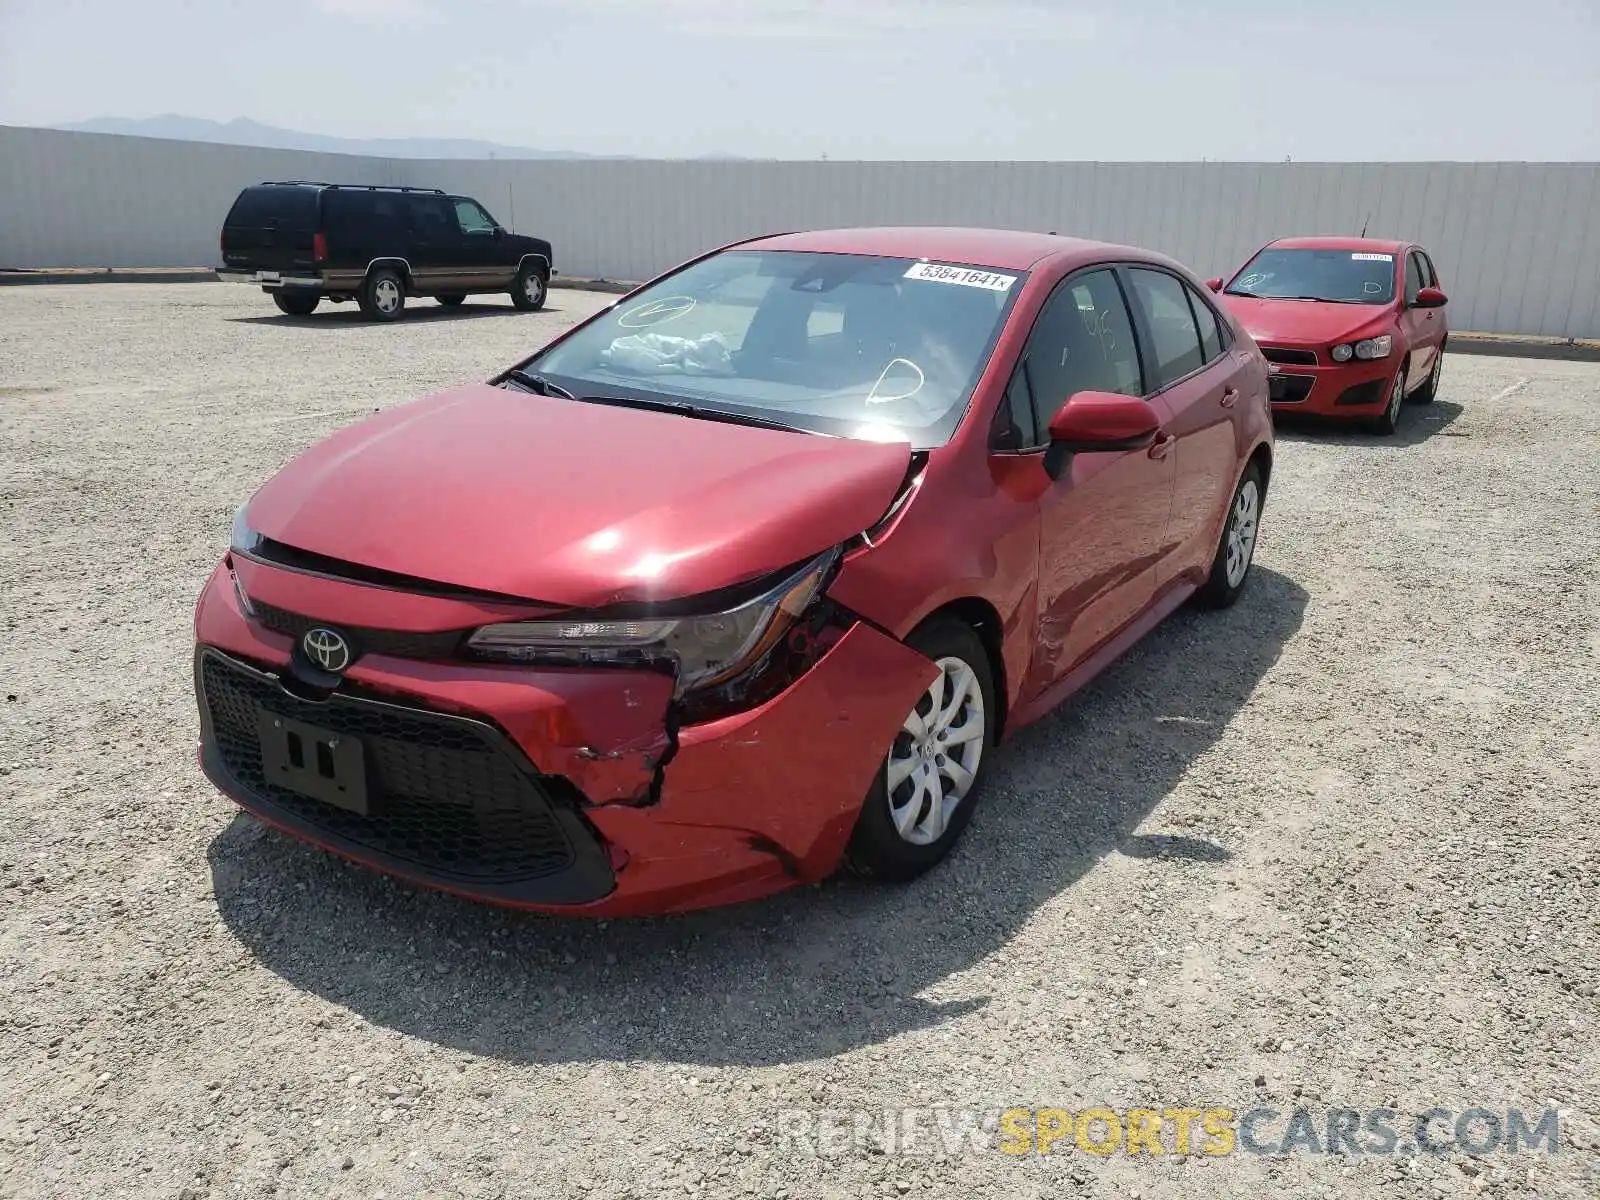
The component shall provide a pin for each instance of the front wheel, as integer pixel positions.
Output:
(296, 302)
(1429, 390)
(1389, 422)
(927, 787)
(529, 290)
(1230, 566)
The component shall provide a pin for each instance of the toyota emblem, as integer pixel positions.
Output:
(327, 649)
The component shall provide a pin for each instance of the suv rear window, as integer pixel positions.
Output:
(295, 206)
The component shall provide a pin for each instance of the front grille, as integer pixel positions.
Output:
(1289, 358)
(443, 795)
(1362, 393)
(396, 642)
(1289, 389)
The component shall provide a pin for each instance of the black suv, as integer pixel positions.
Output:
(302, 241)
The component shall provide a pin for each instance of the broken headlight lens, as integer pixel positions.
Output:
(703, 649)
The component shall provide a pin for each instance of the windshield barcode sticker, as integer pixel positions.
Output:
(1359, 257)
(966, 276)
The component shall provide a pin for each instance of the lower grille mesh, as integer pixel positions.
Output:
(442, 795)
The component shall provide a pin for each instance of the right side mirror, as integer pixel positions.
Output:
(1429, 297)
(1214, 284)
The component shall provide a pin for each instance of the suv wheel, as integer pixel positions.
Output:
(925, 791)
(528, 292)
(383, 298)
(296, 302)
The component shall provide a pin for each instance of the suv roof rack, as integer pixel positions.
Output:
(351, 187)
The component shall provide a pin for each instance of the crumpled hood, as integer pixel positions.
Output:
(1308, 322)
(573, 504)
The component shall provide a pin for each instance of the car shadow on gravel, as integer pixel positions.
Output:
(343, 316)
(1418, 423)
(804, 975)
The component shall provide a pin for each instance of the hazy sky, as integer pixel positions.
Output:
(1053, 79)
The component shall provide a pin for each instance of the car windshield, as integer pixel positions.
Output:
(883, 349)
(1338, 276)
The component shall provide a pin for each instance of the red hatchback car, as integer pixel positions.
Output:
(1354, 327)
(743, 577)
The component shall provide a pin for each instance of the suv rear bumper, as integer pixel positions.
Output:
(270, 279)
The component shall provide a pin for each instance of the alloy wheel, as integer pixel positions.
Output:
(934, 759)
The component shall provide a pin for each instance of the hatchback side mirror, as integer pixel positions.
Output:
(1098, 423)
(1429, 297)
(1214, 284)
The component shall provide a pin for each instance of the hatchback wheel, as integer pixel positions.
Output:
(529, 290)
(1390, 420)
(926, 790)
(1426, 394)
(1230, 567)
(384, 296)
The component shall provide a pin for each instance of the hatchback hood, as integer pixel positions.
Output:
(1307, 322)
(571, 504)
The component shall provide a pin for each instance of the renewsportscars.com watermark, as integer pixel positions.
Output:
(1212, 1130)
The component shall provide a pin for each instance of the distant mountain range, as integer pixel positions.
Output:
(244, 132)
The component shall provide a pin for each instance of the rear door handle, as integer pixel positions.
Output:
(1160, 448)
(1230, 397)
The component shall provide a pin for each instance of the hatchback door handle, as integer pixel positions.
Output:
(1230, 397)
(1160, 447)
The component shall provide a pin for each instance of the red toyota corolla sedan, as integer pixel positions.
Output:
(742, 578)
(1354, 327)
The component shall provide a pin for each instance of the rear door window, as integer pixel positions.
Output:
(1210, 332)
(432, 216)
(1175, 339)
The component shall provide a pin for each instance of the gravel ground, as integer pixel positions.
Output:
(1333, 848)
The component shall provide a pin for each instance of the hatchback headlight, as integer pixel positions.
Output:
(703, 649)
(1343, 352)
(1377, 347)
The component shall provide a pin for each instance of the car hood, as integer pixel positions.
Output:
(1307, 322)
(572, 504)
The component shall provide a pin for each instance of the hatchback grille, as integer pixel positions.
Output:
(444, 795)
(1289, 358)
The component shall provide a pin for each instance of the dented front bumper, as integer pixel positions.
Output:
(620, 810)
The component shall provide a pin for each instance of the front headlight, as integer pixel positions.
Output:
(703, 650)
(1377, 347)
(241, 537)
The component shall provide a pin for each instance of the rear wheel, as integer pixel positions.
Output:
(451, 299)
(1426, 394)
(528, 291)
(927, 787)
(1230, 566)
(383, 297)
(296, 302)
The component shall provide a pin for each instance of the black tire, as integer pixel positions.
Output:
(296, 302)
(529, 290)
(451, 299)
(383, 296)
(1221, 589)
(877, 849)
(1429, 391)
(1389, 420)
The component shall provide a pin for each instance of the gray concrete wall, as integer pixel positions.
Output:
(1517, 245)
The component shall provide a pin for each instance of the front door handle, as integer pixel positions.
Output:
(1161, 447)
(1230, 397)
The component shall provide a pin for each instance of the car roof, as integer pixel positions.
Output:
(1375, 245)
(1005, 249)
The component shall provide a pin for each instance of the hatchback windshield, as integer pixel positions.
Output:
(1339, 276)
(858, 346)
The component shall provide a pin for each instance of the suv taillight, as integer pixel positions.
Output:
(319, 246)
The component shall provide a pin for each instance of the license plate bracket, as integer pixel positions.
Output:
(315, 762)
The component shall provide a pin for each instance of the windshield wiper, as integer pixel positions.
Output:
(537, 383)
(699, 412)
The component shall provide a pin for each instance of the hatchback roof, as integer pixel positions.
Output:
(1007, 249)
(1375, 245)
